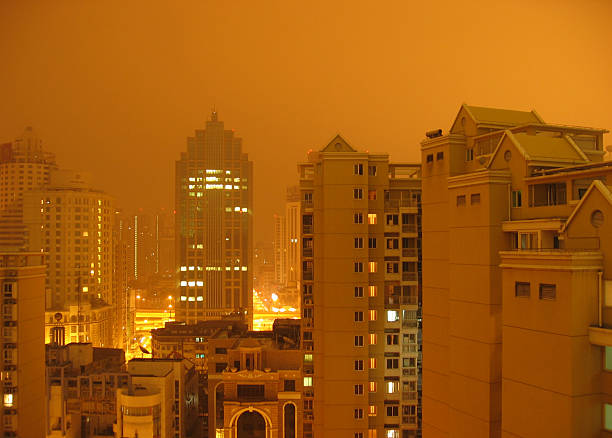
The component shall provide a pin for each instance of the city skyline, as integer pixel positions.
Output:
(376, 75)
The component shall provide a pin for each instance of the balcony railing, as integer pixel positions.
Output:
(411, 300)
(407, 372)
(409, 228)
(409, 395)
(307, 252)
(409, 276)
(409, 252)
(307, 275)
(307, 229)
(409, 419)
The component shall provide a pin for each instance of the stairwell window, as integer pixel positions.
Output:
(548, 291)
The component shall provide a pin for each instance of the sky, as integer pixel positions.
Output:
(115, 87)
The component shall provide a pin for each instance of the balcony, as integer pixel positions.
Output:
(601, 336)
(409, 372)
(307, 275)
(307, 252)
(408, 419)
(409, 276)
(409, 228)
(409, 395)
(307, 229)
(410, 252)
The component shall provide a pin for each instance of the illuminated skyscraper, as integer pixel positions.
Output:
(213, 226)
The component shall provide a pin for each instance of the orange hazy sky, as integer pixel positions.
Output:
(115, 87)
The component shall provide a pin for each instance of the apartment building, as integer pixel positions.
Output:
(516, 278)
(82, 383)
(24, 166)
(360, 275)
(214, 233)
(73, 224)
(293, 225)
(22, 281)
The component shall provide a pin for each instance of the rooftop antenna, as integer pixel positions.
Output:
(213, 117)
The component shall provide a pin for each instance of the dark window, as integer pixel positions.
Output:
(358, 242)
(220, 367)
(251, 392)
(359, 365)
(358, 341)
(290, 385)
(358, 218)
(289, 425)
(460, 200)
(392, 411)
(220, 350)
(475, 198)
(517, 199)
(548, 291)
(358, 413)
(358, 316)
(357, 194)
(430, 158)
(358, 267)
(358, 169)
(392, 364)
(358, 389)
(439, 156)
(372, 170)
(372, 242)
(522, 289)
(358, 291)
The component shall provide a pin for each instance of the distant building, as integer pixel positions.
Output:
(279, 245)
(24, 166)
(360, 293)
(73, 224)
(22, 341)
(214, 233)
(517, 278)
(160, 401)
(82, 383)
(293, 236)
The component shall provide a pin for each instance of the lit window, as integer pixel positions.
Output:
(8, 400)
(372, 363)
(373, 315)
(372, 411)
(372, 386)
(373, 267)
(392, 315)
(373, 290)
(307, 381)
(372, 338)
(392, 387)
(308, 357)
(372, 218)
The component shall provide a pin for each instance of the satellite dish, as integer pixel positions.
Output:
(144, 350)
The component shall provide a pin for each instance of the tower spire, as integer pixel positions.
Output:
(213, 116)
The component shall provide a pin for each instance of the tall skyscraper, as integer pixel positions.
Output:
(24, 166)
(22, 281)
(517, 278)
(214, 208)
(280, 251)
(360, 220)
(72, 223)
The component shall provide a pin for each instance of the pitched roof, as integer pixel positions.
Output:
(496, 116)
(547, 148)
(338, 144)
(606, 192)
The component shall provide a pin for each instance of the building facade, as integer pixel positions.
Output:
(24, 166)
(22, 280)
(516, 278)
(213, 225)
(360, 272)
(293, 226)
(73, 224)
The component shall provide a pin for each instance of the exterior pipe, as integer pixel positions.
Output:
(600, 298)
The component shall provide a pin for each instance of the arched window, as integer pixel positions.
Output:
(289, 421)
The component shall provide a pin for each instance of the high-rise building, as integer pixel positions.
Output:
(517, 290)
(214, 209)
(22, 281)
(280, 251)
(292, 225)
(24, 166)
(73, 224)
(360, 229)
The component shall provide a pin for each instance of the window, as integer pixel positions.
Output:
(358, 218)
(373, 291)
(429, 158)
(517, 200)
(373, 314)
(373, 267)
(358, 389)
(392, 243)
(358, 316)
(392, 315)
(460, 200)
(308, 357)
(358, 341)
(308, 381)
(357, 193)
(392, 267)
(372, 363)
(358, 267)
(547, 194)
(358, 169)
(358, 242)
(372, 195)
(358, 413)
(392, 339)
(373, 338)
(359, 365)
(607, 416)
(372, 411)
(469, 154)
(372, 242)
(220, 350)
(372, 386)
(439, 156)
(358, 291)
(548, 291)
(392, 364)
(608, 358)
(372, 218)
(522, 289)
(372, 170)
(475, 198)
(358, 435)
(392, 219)
(392, 411)
(289, 385)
